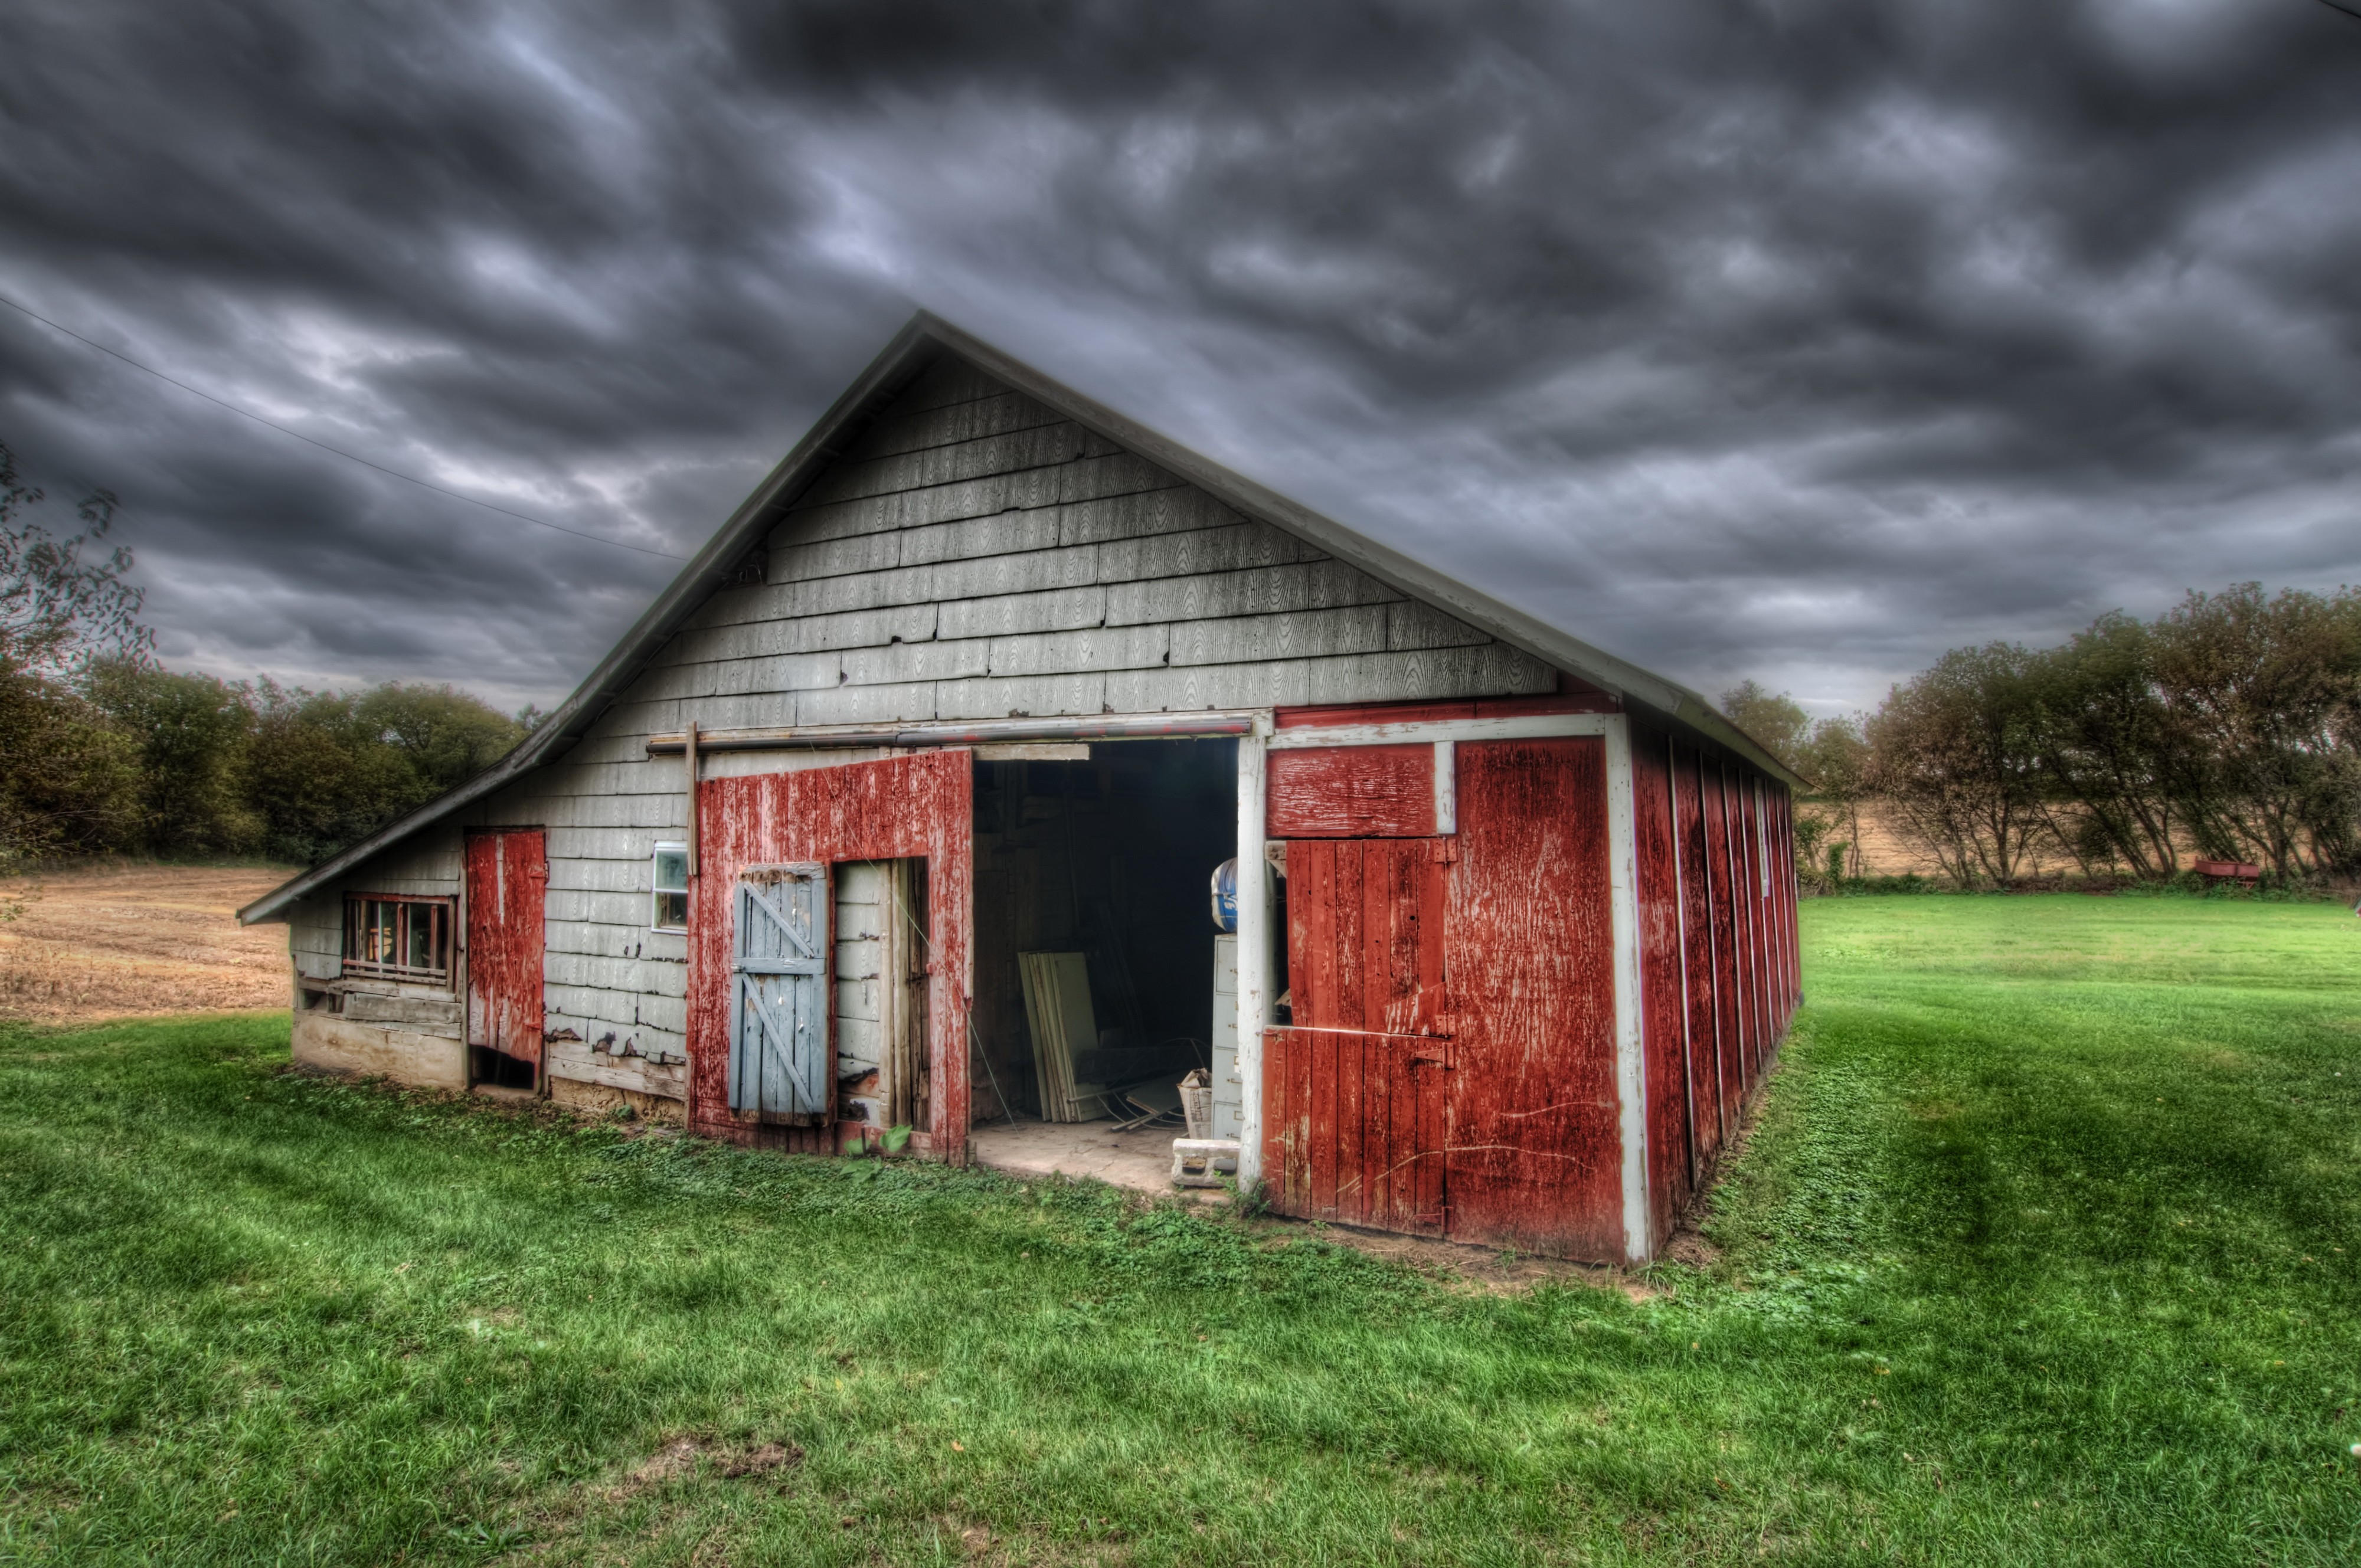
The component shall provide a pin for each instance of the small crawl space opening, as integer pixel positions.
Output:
(1098, 862)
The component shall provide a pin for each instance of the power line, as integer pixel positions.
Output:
(338, 451)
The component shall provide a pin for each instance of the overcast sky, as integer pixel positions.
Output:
(1782, 339)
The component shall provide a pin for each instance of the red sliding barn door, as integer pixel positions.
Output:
(507, 877)
(1537, 1146)
(1451, 1066)
(1358, 1107)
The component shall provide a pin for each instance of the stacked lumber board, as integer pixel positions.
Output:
(1057, 1011)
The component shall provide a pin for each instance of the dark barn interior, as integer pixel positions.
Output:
(1109, 853)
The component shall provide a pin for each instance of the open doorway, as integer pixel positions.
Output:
(1106, 851)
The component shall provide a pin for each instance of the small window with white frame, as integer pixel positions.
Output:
(670, 905)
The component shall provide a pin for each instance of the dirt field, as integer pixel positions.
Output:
(122, 941)
(1884, 851)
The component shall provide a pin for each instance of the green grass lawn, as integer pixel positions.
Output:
(2048, 1249)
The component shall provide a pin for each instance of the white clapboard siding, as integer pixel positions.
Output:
(866, 704)
(638, 977)
(972, 420)
(988, 497)
(740, 676)
(1047, 447)
(903, 664)
(587, 874)
(971, 555)
(614, 1008)
(1410, 624)
(618, 776)
(861, 910)
(1008, 534)
(1022, 696)
(1092, 649)
(948, 381)
(1174, 509)
(1016, 615)
(601, 938)
(1268, 639)
(577, 934)
(556, 811)
(583, 1063)
(1273, 590)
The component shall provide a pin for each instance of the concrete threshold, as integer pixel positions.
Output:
(1141, 1160)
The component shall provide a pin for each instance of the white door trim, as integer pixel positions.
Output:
(1254, 898)
(1630, 1059)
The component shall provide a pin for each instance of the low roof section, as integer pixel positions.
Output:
(916, 347)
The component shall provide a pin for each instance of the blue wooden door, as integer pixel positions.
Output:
(778, 1013)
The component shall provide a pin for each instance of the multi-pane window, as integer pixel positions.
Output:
(397, 938)
(671, 882)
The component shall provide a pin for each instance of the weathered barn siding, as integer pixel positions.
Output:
(376, 1027)
(1535, 1108)
(915, 807)
(1719, 957)
(1451, 1062)
(971, 555)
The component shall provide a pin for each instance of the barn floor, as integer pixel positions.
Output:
(1140, 1160)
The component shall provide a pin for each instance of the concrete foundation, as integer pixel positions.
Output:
(323, 1042)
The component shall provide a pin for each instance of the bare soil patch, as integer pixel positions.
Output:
(127, 942)
(1494, 1271)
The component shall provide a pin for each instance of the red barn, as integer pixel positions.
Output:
(985, 680)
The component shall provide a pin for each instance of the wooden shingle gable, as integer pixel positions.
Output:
(954, 496)
(985, 555)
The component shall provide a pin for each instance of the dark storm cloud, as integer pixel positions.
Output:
(1791, 339)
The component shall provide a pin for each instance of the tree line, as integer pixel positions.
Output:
(2226, 729)
(103, 751)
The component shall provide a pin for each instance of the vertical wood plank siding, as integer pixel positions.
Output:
(1672, 1111)
(508, 878)
(1706, 1056)
(1712, 935)
(1535, 1117)
(1356, 1131)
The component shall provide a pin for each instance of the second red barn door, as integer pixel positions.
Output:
(1537, 1145)
(1450, 1068)
(507, 877)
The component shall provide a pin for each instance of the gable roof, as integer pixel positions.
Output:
(918, 345)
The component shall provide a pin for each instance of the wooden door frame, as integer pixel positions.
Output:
(910, 806)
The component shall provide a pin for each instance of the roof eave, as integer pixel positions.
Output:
(1554, 647)
(912, 349)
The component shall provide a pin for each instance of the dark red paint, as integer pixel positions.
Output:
(919, 805)
(1537, 1150)
(507, 882)
(1672, 1159)
(1351, 791)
